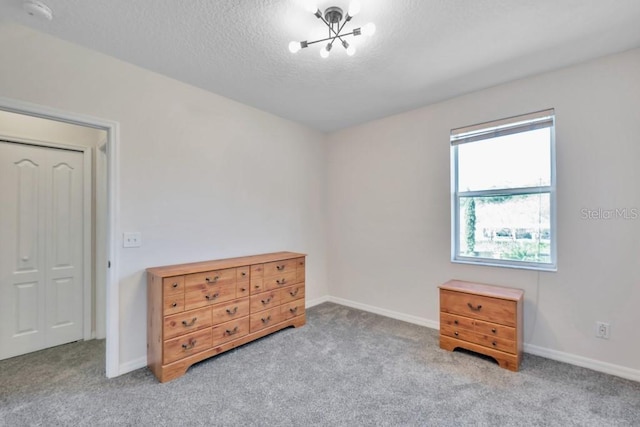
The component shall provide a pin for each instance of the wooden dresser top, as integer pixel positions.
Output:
(482, 289)
(194, 267)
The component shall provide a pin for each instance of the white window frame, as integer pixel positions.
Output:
(493, 129)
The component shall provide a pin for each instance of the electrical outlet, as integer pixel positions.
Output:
(603, 330)
(131, 240)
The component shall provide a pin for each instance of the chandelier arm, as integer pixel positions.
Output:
(330, 38)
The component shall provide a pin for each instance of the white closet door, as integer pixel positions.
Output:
(41, 271)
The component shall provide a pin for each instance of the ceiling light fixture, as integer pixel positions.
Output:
(332, 18)
(38, 9)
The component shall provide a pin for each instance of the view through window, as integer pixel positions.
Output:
(503, 184)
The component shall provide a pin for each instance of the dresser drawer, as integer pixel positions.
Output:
(183, 323)
(230, 331)
(173, 285)
(292, 309)
(212, 295)
(265, 319)
(257, 285)
(173, 304)
(479, 307)
(186, 345)
(279, 267)
(265, 301)
(226, 312)
(291, 293)
(243, 273)
(280, 280)
(202, 281)
(242, 289)
(508, 346)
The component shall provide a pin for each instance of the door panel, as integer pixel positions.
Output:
(41, 223)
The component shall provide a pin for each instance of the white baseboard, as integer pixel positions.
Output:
(132, 365)
(387, 313)
(317, 301)
(572, 359)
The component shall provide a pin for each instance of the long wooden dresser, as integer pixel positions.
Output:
(482, 318)
(198, 310)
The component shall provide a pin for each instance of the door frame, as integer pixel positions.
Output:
(112, 286)
(87, 241)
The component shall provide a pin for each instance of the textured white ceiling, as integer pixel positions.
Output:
(423, 51)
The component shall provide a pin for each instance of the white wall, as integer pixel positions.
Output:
(202, 177)
(389, 210)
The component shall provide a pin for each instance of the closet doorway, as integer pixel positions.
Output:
(56, 227)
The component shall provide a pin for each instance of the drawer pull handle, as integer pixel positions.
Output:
(192, 343)
(474, 308)
(455, 333)
(210, 280)
(266, 301)
(280, 267)
(494, 343)
(244, 273)
(232, 312)
(455, 322)
(232, 331)
(187, 324)
(175, 304)
(243, 289)
(294, 293)
(266, 320)
(175, 285)
(494, 330)
(257, 286)
(212, 297)
(281, 281)
(293, 310)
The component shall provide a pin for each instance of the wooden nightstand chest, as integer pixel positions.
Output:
(482, 318)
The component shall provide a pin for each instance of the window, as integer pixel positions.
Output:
(503, 187)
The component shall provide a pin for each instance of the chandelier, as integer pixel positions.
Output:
(333, 19)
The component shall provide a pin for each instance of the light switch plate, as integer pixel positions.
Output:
(132, 239)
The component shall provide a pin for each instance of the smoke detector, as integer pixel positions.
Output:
(38, 9)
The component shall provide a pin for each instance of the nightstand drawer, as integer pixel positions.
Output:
(495, 330)
(496, 343)
(479, 307)
(456, 321)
